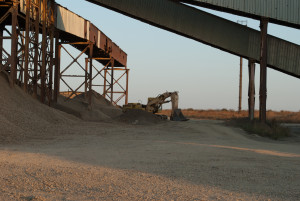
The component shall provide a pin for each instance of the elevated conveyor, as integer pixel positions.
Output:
(201, 26)
(72, 27)
(283, 12)
(32, 35)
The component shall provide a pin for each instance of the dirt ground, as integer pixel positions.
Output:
(47, 154)
(193, 160)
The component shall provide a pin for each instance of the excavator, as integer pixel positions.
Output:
(154, 105)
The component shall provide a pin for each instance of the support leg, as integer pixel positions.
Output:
(241, 84)
(27, 40)
(251, 89)
(104, 88)
(14, 43)
(263, 71)
(36, 50)
(90, 75)
(86, 77)
(1, 48)
(57, 68)
(127, 78)
(112, 80)
(44, 53)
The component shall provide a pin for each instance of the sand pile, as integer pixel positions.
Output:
(100, 110)
(23, 117)
(139, 117)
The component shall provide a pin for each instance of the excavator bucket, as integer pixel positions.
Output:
(177, 116)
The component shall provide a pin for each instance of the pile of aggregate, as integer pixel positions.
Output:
(139, 117)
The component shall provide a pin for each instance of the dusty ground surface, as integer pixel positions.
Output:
(46, 154)
(194, 160)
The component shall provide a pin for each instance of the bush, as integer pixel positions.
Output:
(271, 129)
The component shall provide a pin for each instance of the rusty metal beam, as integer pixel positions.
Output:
(86, 77)
(57, 67)
(27, 41)
(36, 49)
(14, 44)
(1, 48)
(127, 77)
(112, 80)
(51, 58)
(90, 75)
(44, 52)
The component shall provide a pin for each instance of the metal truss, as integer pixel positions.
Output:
(86, 78)
(27, 60)
(28, 41)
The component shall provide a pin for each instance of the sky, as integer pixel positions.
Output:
(205, 77)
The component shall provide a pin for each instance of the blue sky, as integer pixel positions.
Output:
(205, 77)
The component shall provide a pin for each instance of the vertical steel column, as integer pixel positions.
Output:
(86, 77)
(51, 37)
(263, 71)
(251, 89)
(1, 48)
(90, 74)
(241, 84)
(127, 77)
(104, 88)
(14, 44)
(112, 80)
(44, 51)
(27, 31)
(57, 67)
(36, 48)
(50, 84)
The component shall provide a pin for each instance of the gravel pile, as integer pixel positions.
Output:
(23, 117)
(139, 117)
(100, 111)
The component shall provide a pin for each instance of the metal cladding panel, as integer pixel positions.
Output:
(115, 53)
(282, 10)
(70, 22)
(209, 29)
(99, 38)
(282, 53)
(123, 58)
(108, 46)
(93, 34)
(23, 6)
(103, 39)
(88, 29)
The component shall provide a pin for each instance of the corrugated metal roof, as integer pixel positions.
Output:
(281, 11)
(209, 29)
